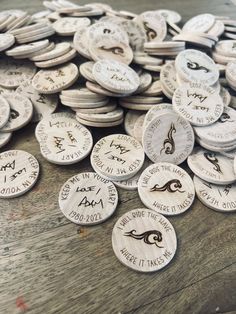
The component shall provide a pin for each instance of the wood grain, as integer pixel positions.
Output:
(49, 265)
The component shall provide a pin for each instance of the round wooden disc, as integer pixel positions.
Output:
(198, 103)
(144, 240)
(4, 111)
(168, 138)
(43, 104)
(21, 111)
(221, 198)
(54, 80)
(117, 156)
(116, 76)
(63, 140)
(88, 199)
(195, 66)
(166, 188)
(222, 131)
(212, 167)
(19, 172)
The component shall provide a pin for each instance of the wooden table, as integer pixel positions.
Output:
(49, 265)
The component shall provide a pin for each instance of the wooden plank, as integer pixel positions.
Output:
(49, 265)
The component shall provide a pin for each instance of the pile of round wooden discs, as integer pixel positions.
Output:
(76, 68)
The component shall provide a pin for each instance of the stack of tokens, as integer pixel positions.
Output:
(221, 135)
(229, 28)
(224, 51)
(164, 49)
(14, 19)
(201, 30)
(31, 33)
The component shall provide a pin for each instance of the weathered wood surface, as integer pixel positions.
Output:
(49, 265)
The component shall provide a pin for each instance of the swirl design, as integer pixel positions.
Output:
(151, 237)
(114, 50)
(171, 186)
(151, 34)
(225, 118)
(211, 157)
(169, 144)
(196, 67)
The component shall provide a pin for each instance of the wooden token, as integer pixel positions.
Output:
(144, 240)
(99, 90)
(4, 111)
(221, 198)
(13, 73)
(63, 140)
(131, 184)
(217, 29)
(88, 199)
(71, 54)
(102, 48)
(130, 119)
(142, 99)
(58, 50)
(154, 25)
(67, 26)
(154, 89)
(235, 165)
(80, 43)
(34, 33)
(4, 138)
(86, 70)
(25, 49)
(51, 81)
(170, 15)
(168, 79)
(194, 65)
(43, 104)
(115, 76)
(6, 41)
(231, 154)
(107, 29)
(104, 109)
(117, 156)
(166, 188)
(200, 23)
(198, 103)
(222, 131)
(145, 82)
(99, 124)
(211, 167)
(32, 55)
(156, 111)
(19, 172)
(226, 48)
(136, 33)
(138, 128)
(168, 138)
(45, 34)
(134, 106)
(225, 96)
(21, 111)
(111, 116)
